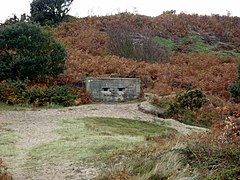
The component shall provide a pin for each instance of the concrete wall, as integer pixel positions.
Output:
(113, 89)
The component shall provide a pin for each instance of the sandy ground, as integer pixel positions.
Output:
(35, 127)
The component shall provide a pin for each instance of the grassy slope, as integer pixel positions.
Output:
(89, 139)
(95, 139)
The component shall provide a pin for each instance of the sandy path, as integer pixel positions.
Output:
(35, 127)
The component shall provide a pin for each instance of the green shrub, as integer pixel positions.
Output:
(19, 92)
(61, 95)
(191, 99)
(188, 108)
(234, 89)
(37, 96)
(29, 52)
(13, 92)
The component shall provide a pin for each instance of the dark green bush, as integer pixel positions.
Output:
(61, 95)
(191, 99)
(28, 52)
(188, 108)
(234, 89)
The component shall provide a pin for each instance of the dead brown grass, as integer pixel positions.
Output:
(86, 42)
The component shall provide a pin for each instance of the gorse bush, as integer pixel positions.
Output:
(29, 52)
(191, 99)
(234, 89)
(125, 42)
(189, 107)
(61, 95)
(18, 92)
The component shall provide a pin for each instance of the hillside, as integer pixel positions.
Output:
(187, 126)
(202, 52)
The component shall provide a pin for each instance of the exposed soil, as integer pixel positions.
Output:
(35, 127)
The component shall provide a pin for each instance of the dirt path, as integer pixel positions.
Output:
(35, 127)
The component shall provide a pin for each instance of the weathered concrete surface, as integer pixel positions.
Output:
(113, 89)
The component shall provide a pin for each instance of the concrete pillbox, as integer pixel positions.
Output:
(113, 89)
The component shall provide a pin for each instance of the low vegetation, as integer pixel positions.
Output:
(96, 139)
(217, 154)
(234, 89)
(7, 142)
(160, 162)
(7, 149)
(190, 107)
(125, 42)
(212, 155)
(24, 93)
(99, 137)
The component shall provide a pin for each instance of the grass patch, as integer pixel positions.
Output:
(197, 45)
(223, 53)
(95, 139)
(115, 126)
(162, 122)
(24, 107)
(7, 142)
(6, 107)
(167, 43)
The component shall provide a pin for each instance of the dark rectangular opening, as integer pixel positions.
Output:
(121, 89)
(105, 89)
